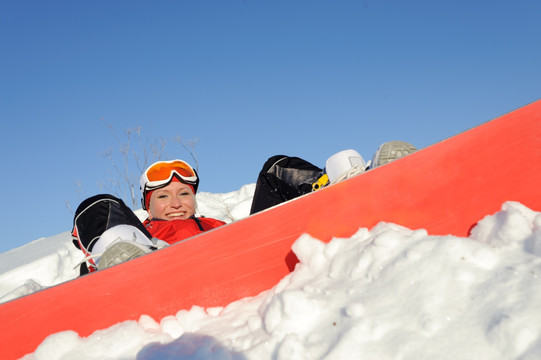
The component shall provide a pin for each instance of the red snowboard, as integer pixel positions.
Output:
(445, 188)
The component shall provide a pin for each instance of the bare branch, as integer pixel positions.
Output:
(189, 146)
(132, 156)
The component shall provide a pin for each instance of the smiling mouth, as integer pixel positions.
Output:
(176, 215)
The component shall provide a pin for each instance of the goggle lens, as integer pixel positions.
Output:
(162, 170)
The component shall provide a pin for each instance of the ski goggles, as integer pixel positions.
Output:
(161, 173)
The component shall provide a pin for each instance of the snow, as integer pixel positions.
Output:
(385, 293)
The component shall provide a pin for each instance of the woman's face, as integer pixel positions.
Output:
(174, 201)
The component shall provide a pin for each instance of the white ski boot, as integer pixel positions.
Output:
(119, 244)
(343, 165)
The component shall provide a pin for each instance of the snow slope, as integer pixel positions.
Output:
(385, 293)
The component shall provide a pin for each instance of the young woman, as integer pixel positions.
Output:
(168, 191)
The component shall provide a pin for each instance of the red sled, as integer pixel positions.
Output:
(444, 188)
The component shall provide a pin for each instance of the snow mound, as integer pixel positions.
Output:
(385, 293)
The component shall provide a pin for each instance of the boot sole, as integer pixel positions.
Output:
(121, 252)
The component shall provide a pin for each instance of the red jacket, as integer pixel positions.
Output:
(173, 231)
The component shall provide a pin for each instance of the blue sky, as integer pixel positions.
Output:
(248, 79)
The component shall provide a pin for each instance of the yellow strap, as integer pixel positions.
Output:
(321, 182)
